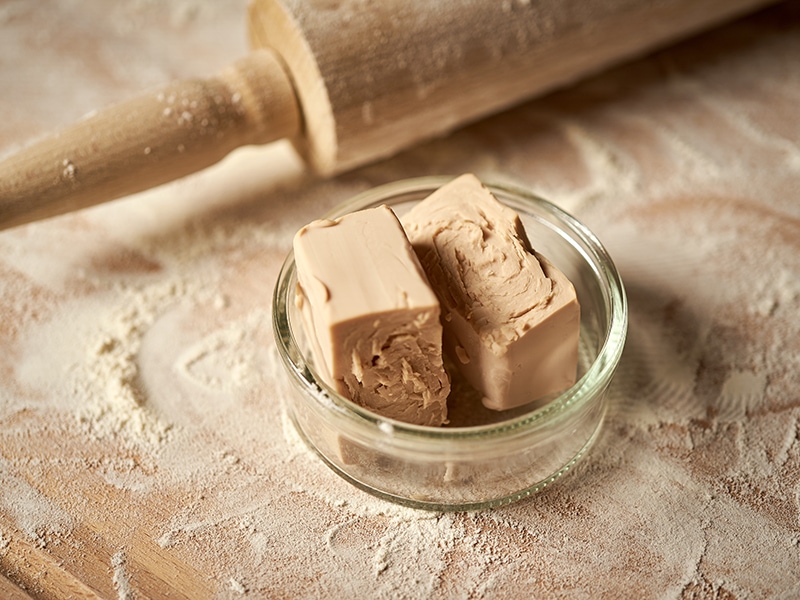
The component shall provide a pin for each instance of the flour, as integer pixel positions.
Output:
(237, 587)
(120, 578)
(109, 381)
(37, 516)
(143, 403)
(609, 169)
(220, 361)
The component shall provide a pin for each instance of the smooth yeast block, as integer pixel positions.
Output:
(511, 318)
(372, 316)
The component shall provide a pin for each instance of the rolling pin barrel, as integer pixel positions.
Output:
(350, 82)
(373, 82)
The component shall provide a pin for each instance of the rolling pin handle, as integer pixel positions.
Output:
(150, 140)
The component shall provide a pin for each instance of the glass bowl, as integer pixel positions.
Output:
(483, 458)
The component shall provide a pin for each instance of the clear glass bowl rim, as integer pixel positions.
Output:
(589, 386)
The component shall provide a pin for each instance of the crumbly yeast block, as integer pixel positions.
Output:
(372, 316)
(511, 318)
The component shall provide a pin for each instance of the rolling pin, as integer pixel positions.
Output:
(348, 82)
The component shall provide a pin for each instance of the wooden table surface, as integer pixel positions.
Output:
(144, 445)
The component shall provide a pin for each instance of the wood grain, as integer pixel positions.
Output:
(10, 591)
(685, 163)
(150, 140)
(373, 82)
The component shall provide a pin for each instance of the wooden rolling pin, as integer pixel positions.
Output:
(349, 82)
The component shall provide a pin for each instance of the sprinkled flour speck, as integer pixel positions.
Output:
(237, 587)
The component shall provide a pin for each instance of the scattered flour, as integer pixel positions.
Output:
(218, 361)
(237, 587)
(690, 491)
(120, 577)
(34, 514)
(109, 380)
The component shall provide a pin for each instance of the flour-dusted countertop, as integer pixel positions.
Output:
(144, 445)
